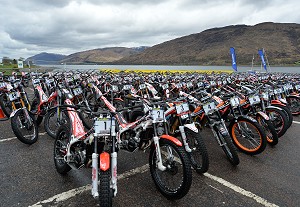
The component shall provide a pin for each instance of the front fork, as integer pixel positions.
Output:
(183, 135)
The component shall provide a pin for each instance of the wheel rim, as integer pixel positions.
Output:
(246, 136)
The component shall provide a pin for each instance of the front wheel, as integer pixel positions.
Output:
(248, 136)
(52, 121)
(268, 127)
(279, 120)
(294, 104)
(24, 126)
(60, 150)
(176, 180)
(198, 156)
(105, 192)
(6, 105)
(227, 145)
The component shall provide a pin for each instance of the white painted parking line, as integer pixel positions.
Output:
(12, 138)
(72, 193)
(296, 122)
(240, 190)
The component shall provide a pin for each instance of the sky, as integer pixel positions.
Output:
(30, 27)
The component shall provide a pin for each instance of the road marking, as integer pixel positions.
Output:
(12, 138)
(240, 190)
(71, 193)
(216, 188)
(296, 122)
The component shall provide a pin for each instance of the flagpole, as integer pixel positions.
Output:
(267, 60)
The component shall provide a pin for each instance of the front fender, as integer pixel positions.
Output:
(275, 107)
(277, 102)
(104, 161)
(172, 139)
(293, 96)
(14, 112)
(262, 114)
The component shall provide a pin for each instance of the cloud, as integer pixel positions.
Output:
(30, 27)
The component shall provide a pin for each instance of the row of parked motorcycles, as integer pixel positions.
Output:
(92, 115)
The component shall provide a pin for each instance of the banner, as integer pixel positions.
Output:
(261, 54)
(233, 58)
(20, 64)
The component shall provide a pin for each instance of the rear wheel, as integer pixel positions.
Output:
(198, 156)
(24, 126)
(248, 136)
(176, 180)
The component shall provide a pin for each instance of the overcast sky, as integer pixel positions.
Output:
(30, 27)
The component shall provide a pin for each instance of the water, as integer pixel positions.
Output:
(283, 69)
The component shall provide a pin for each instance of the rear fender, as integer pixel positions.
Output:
(172, 139)
(104, 161)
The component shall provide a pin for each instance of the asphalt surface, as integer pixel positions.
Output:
(272, 178)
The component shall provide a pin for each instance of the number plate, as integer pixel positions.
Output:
(182, 108)
(189, 84)
(265, 96)
(254, 100)
(209, 107)
(35, 81)
(142, 86)
(278, 90)
(234, 101)
(115, 88)
(13, 96)
(165, 86)
(2, 85)
(157, 114)
(77, 91)
(102, 125)
(200, 84)
(127, 87)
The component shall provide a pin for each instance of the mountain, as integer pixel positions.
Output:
(281, 42)
(102, 55)
(46, 58)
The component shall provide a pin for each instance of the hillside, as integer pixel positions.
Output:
(102, 55)
(281, 42)
(46, 58)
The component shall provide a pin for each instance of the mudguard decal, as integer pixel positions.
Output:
(172, 139)
(104, 161)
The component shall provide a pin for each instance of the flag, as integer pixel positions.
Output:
(261, 54)
(20, 64)
(233, 58)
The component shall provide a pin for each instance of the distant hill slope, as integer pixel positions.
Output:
(46, 58)
(102, 55)
(281, 42)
